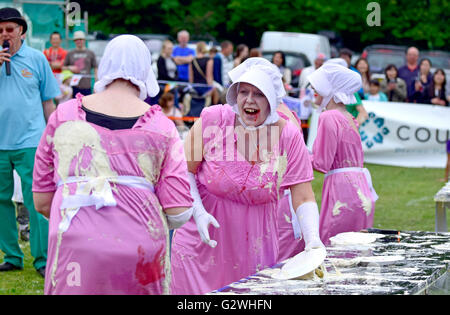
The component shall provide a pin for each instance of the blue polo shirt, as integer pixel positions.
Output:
(183, 70)
(31, 82)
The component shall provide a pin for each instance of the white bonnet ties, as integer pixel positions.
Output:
(126, 57)
(334, 80)
(262, 74)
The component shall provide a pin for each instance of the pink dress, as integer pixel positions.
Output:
(347, 203)
(288, 245)
(243, 197)
(116, 239)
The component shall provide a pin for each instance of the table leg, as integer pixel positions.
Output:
(441, 217)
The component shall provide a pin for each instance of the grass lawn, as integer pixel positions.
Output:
(405, 203)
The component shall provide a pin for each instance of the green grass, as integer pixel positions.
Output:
(405, 196)
(22, 282)
(405, 203)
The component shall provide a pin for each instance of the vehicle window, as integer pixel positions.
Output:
(439, 61)
(154, 45)
(293, 62)
(378, 62)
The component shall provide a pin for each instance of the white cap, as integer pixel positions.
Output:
(126, 57)
(79, 35)
(262, 74)
(333, 80)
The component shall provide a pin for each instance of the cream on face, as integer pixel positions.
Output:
(252, 104)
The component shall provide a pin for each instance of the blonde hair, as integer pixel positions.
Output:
(202, 48)
(165, 44)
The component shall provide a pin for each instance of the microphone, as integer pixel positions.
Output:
(7, 63)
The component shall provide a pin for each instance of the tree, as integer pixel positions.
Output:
(423, 23)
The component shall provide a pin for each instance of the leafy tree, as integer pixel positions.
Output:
(423, 23)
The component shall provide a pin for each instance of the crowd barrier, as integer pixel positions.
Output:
(401, 134)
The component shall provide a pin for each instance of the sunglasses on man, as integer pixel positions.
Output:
(8, 29)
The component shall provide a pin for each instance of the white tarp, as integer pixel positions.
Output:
(402, 134)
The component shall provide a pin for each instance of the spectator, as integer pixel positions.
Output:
(409, 71)
(422, 81)
(279, 59)
(362, 65)
(167, 68)
(303, 82)
(241, 54)
(23, 215)
(55, 54)
(217, 68)
(65, 87)
(347, 54)
(201, 70)
(435, 92)
(27, 102)
(374, 92)
(393, 86)
(81, 61)
(255, 52)
(183, 55)
(226, 56)
(167, 103)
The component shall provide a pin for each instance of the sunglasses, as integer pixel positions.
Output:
(8, 29)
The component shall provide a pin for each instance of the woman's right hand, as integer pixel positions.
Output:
(203, 219)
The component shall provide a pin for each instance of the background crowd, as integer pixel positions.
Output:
(205, 69)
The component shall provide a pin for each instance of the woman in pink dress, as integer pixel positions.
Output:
(241, 158)
(348, 199)
(111, 176)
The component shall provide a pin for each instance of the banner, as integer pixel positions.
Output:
(403, 134)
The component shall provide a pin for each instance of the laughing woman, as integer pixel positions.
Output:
(241, 158)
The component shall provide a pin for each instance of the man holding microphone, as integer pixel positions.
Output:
(27, 87)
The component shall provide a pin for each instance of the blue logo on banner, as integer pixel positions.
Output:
(382, 131)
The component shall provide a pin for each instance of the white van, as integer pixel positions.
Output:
(295, 43)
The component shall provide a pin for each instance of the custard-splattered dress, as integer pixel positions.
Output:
(289, 244)
(108, 233)
(243, 197)
(347, 201)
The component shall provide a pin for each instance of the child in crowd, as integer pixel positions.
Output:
(167, 103)
(66, 89)
(374, 92)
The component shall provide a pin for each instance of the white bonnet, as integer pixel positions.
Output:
(333, 80)
(126, 57)
(262, 74)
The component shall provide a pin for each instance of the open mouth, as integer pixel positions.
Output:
(251, 111)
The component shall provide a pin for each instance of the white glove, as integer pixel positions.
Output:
(308, 217)
(202, 218)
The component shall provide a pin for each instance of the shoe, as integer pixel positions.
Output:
(6, 266)
(41, 271)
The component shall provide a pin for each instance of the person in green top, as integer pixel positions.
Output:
(357, 110)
